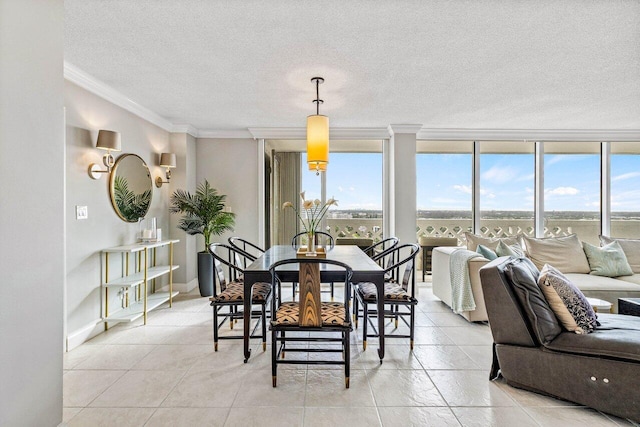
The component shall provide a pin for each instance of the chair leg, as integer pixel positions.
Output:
(412, 323)
(347, 358)
(232, 310)
(331, 291)
(365, 323)
(274, 362)
(264, 327)
(215, 327)
(284, 344)
(355, 311)
(396, 316)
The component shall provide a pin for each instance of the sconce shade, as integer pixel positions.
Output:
(317, 139)
(108, 140)
(168, 160)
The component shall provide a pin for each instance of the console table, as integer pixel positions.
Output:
(133, 283)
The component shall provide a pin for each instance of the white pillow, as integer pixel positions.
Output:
(564, 253)
(630, 247)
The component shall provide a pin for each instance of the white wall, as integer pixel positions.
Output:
(31, 212)
(231, 166)
(103, 229)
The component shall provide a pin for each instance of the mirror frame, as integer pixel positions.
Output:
(112, 178)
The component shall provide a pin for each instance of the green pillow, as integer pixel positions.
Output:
(486, 252)
(509, 250)
(609, 260)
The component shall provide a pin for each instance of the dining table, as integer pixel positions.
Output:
(364, 270)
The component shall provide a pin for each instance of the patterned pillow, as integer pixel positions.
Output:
(486, 252)
(609, 260)
(567, 301)
(514, 250)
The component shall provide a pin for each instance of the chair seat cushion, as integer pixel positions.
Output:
(392, 292)
(333, 314)
(235, 292)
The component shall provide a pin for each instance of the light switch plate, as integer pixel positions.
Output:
(82, 212)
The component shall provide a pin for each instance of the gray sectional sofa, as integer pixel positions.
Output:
(605, 288)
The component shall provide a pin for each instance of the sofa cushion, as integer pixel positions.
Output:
(617, 336)
(523, 276)
(608, 260)
(631, 248)
(557, 288)
(473, 240)
(564, 253)
(486, 252)
(587, 282)
(514, 250)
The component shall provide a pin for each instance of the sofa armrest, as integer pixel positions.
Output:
(441, 280)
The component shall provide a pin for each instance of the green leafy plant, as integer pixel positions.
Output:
(132, 206)
(203, 212)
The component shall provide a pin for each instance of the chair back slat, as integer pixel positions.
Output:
(309, 301)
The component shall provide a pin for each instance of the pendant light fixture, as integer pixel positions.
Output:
(317, 135)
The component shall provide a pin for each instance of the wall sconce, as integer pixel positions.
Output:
(110, 141)
(167, 160)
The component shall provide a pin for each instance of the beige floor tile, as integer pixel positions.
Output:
(188, 417)
(174, 357)
(142, 389)
(431, 335)
(447, 319)
(404, 388)
(330, 417)
(443, 357)
(471, 334)
(482, 355)
(200, 318)
(149, 334)
(68, 414)
(493, 417)
(257, 389)
(265, 417)
(192, 335)
(418, 417)
(73, 358)
(111, 417)
(116, 356)
(423, 320)
(327, 388)
(529, 398)
(206, 389)
(469, 388)
(80, 387)
(569, 417)
(396, 357)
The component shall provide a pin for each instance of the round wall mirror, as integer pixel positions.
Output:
(130, 187)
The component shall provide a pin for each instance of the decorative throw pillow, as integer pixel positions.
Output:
(609, 260)
(631, 248)
(567, 301)
(486, 252)
(473, 240)
(514, 250)
(564, 253)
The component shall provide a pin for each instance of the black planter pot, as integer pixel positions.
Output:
(205, 273)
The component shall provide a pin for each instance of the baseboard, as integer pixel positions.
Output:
(83, 334)
(183, 288)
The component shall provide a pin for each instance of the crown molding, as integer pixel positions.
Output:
(225, 133)
(185, 128)
(403, 128)
(101, 89)
(530, 134)
(334, 133)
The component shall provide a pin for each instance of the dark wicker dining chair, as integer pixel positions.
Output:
(247, 247)
(231, 293)
(399, 294)
(311, 315)
(322, 238)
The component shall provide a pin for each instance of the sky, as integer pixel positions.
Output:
(572, 181)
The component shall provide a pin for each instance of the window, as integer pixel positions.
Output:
(572, 189)
(625, 189)
(443, 187)
(506, 188)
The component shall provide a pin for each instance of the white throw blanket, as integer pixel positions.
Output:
(461, 295)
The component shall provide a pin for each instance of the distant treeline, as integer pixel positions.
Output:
(454, 214)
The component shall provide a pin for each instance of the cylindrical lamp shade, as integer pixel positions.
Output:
(317, 139)
(317, 167)
(108, 140)
(168, 160)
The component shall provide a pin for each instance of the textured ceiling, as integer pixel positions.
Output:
(224, 65)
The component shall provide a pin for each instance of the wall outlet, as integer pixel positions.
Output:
(82, 212)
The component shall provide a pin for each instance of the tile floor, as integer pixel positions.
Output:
(167, 374)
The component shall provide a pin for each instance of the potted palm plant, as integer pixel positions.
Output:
(203, 213)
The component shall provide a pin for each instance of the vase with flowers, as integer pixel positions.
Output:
(310, 214)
